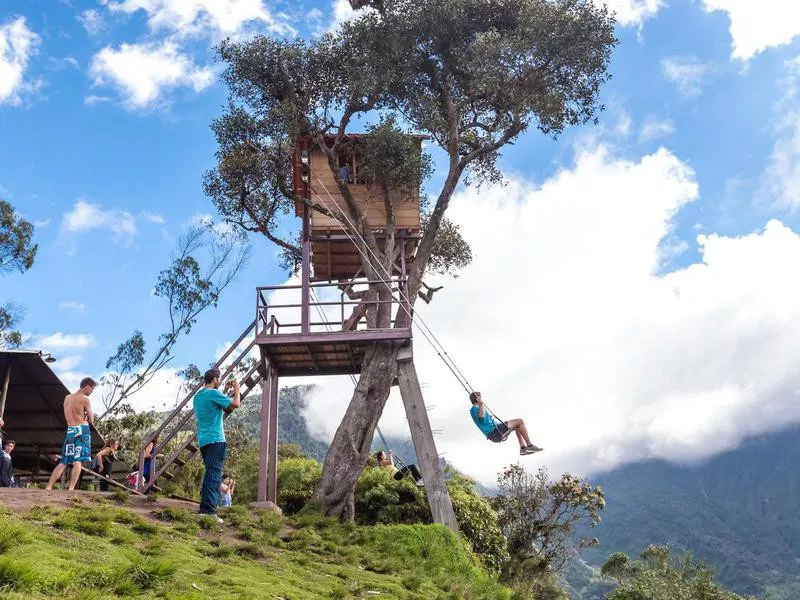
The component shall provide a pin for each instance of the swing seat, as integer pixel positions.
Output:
(500, 433)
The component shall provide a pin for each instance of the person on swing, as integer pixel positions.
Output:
(497, 431)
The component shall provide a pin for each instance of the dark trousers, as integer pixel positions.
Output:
(406, 470)
(108, 465)
(213, 459)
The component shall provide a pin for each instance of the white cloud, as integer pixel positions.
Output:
(85, 216)
(161, 393)
(77, 307)
(782, 176)
(64, 341)
(214, 18)
(757, 26)
(17, 44)
(144, 72)
(342, 12)
(153, 218)
(92, 21)
(91, 99)
(574, 327)
(63, 63)
(654, 128)
(68, 363)
(689, 73)
(633, 12)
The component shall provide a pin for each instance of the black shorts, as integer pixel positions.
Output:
(500, 433)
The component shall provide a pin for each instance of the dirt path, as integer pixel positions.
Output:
(22, 499)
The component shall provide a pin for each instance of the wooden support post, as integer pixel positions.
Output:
(4, 391)
(306, 272)
(263, 443)
(424, 445)
(267, 492)
(272, 471)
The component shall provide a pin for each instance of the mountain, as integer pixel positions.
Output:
(739, 511)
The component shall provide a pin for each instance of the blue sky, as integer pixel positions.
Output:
(104, 120)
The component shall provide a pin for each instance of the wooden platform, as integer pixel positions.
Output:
(326, 353)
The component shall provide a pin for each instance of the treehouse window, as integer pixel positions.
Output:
(349, 169)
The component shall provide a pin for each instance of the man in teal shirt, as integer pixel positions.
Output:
(209, 408)
(496, 430)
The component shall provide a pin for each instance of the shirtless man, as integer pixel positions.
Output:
(78, 441)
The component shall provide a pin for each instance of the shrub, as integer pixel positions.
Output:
(297, 478)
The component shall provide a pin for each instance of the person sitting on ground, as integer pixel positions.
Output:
(496, 430)
(6, 464)
(387, 464)
(226, 489)
(77, 447)
(104, 461)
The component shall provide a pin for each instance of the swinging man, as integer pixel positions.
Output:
(496, 430)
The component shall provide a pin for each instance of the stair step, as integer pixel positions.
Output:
(191, 447)
(168, 475)
(179, 461)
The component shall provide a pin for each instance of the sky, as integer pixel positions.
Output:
(634, 289)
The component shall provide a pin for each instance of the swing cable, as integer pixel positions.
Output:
(426, 331)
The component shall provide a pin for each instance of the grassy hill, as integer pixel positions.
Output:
(87, 545)
(738, 511)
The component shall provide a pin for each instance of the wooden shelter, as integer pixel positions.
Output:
(32, 406)
(334, 341)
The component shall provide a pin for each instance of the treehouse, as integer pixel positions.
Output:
(334, 341)
(334, 256)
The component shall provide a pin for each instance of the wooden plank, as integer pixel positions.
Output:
(424, 445)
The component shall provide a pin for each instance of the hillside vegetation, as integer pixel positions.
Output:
(738, 511)
(97, 548)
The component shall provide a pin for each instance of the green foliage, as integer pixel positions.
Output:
(17, 252)
(540, 518)
(656, 576)
(297, 478)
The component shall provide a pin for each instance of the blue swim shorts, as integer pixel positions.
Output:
(77, 445)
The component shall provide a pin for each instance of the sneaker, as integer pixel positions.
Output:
(529, 450)
(212, 517)
(420, 483)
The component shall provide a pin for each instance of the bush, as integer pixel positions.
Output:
(297, 478)
(478, 522)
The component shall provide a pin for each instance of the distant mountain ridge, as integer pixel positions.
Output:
(739, 511)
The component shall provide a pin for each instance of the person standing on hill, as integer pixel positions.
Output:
(77, 446)
(209, 407)
(6, 464)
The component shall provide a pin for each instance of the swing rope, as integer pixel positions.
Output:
(422, 326)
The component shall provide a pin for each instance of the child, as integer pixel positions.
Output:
(226, 489)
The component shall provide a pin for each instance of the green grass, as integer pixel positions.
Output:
(104, 551)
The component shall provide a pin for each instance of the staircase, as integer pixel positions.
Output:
(180, 425)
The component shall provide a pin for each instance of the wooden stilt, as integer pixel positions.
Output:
(424, 445)
(272, 463)
(263, 444)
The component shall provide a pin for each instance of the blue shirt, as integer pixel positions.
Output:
(209, 406)
(486, 424)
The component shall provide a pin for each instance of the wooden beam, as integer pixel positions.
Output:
(4, 392)
(263, 439)
(272, 466)
(332, 337)
(424, 445)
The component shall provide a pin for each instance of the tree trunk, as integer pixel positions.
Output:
(350, 447)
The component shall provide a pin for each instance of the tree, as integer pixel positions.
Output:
(657, 576)
(471, 74)
(17, 253)
(540, 517)
(188, 289)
